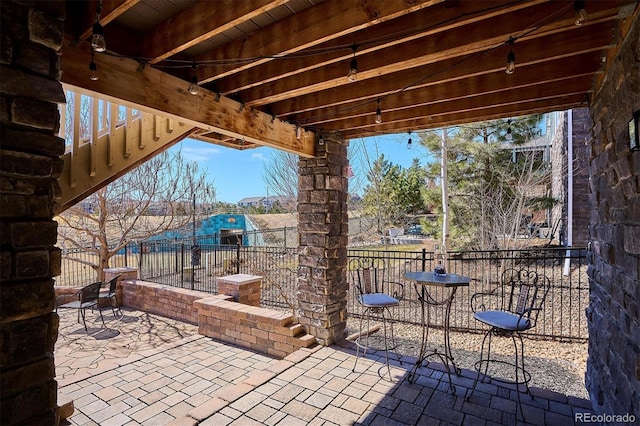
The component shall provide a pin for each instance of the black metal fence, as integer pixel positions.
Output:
(170, 263)
(76, 269)
(562, 318)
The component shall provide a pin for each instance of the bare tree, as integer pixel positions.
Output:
(281, 174)
(157, 196)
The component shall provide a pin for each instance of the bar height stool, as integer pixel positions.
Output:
(511, 309)
(376, 294)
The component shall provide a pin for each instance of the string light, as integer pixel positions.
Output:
(509, 135)
(511, 58)
(409, 142)
(181, 63)
(93, 71)
(352, 75)
(581, 12)
(97, 39)
(378, 113)
(321, 141)
(193, 87)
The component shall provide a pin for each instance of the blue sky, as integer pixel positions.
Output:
(237, 174)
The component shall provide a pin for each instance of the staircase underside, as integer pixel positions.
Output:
(100, 150)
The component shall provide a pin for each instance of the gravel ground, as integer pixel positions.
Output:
(553, 365)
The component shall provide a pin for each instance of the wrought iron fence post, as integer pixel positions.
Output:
(238, 258)
(424, 259)
(140, 262)
(181, 270)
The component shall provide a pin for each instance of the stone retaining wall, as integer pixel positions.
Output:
(170, 302)
(218, 316)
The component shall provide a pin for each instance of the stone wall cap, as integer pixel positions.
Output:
(240, 278)
(122, 269)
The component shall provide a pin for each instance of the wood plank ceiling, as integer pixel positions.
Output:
(267, 67)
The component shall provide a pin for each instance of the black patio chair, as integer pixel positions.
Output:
(510, 310)
(111, 295)
(87, 298)
(376, 294)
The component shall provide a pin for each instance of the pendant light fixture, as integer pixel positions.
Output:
(97, 39)
(378, 113)
(409, 142)
(193, 86)
(509, 135)
(511, 58)
(581, 13)
(352, 75)
(93, 69)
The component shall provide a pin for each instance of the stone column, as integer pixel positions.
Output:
(613, 367)
(31, 37)
(323, 236)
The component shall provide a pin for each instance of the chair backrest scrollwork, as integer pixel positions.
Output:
(367, 275)
(524, 292)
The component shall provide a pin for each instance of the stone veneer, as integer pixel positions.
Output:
(30, 39)
(613, 366)
(220, 317)
(323, 237)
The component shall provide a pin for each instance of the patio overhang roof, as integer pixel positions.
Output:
(274, 72)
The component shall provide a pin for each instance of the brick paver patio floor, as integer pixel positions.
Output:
(149, 370)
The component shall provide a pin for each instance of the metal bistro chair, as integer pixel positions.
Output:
(87, 298)
(110, 294)
(376, 294)
(511, 309)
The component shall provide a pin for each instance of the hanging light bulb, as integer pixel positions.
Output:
(352, 75)
(511, 58)
(97, 39)
(581, 13)
(193, 87)
(409, 142)
(509, 135)
(378, 113)
(93, 69)
(321, 141)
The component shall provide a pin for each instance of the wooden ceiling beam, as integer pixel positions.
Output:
(111, 9)
(199, 23)
(144, 87)
(326, 21)
(527, 78)
(583, 43)
(458, 118)
(491, 36)
(546, 91)
(439, 18)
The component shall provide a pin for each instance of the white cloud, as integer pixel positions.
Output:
(200, 154)
(258, 156)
